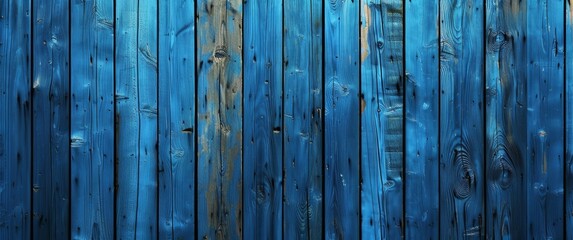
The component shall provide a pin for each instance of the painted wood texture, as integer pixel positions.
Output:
(461, 119)
(136, 119)
(303, 87)
(219, 119)
(382, 101)
(422, 126)
(568, 68)
(92, 120)
(342, 120)
(177, 129)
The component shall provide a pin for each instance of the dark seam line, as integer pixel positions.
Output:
(439, 116)
(30, 43)
(484, 121)
(242, 227)
(115, 122)
(157, 121)
(282, 118)
(69, 223)
(565, 152)
(359, 120)
(404, 86)
(195, 120)
(323, 120)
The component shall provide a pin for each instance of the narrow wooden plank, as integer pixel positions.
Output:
(545, 79)
(382, 87)
(569, 117)
(263, 157)
(342, 114)
(422, 88)
(177, 156)
(136, 119)
(219, 119)
(302, 138)
(506, 114)
(92, 120)
(51, 124)
(15, 120)
(461, 119)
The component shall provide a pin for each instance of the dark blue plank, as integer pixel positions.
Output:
(15, 120)
(51, 112)
(303, 120)
(421, 154)
(136, 119)
(382, 118)
(569, 118)
(506, 115)
(92, 126)
(176, 120)
(342, 114)
(545, 153)
(263, 156)
(219, 109)
(461, 119)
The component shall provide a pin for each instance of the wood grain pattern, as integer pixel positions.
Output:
(342, 120)
(15, 120)
(545, 79)
(92, 120)
(136, 119)
(568, 45)
(303, 87)
(422, 112)
(51, 111)
(461, 119)
(177, 132)
(219, 119)
(506, 115)
(382, 91)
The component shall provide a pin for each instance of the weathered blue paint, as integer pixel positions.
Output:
(51, 119)
(568, 68)
(421, 129)
(342, 120)
(263, 120)
(177, 132)
(219, 110)
(15, 120)
(303, 87)
(136, 119)
(382, 92)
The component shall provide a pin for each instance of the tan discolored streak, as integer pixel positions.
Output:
(364, 33)
(571, 12)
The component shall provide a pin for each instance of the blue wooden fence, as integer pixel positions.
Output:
(286, 119)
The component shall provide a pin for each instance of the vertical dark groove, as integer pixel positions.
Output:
(115, 135)
(69, 223)
(157, 136)
(439, 116)
(565, 152)
(282, 116)
(138, 123)
(242, 44)
(484, 129)
(323, 121)
(195, 133)
(31, 96)
(360, 95)
(404, 86)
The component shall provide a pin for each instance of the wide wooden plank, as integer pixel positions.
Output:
(303, 147)
(382, 84)
(506, 114)
(92, 120)
(545, 149)
(15, 120)
(136, 119)
(51, 122)
(568, 45)
(342, 120)
(422, 111)
(177, 133)
(219, 119)
(461, 119)
(263, 120)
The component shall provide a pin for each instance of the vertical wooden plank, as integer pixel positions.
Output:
(422, 88)
(303, 203)
(545, 55)
(136, 119)
(569, 117)
(263, 165)
(219, 119)
(382, 85)
(342, 114)
(461, 119)
(15, 121)
(51, 112)
(92, 120)
(176, 119)
(506, 119)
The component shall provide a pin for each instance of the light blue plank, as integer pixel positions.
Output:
(263, 156)
(421, 154)
(342, 114)
(92, 120)
(176, 120)
(461, 119)
(303, 120)
(136, 119)
(219, 112)
(15, 120)
(51, 112)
